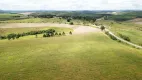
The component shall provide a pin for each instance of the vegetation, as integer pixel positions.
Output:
(70, 33)
(125, 37)
(112, 37)
(71, 57)
(92, 56)
(102, 27)
(127, 28)
(71, 23)
(49, 33)
(10, 16)
(25, 32)
(125, 16)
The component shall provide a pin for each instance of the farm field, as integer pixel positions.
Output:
(75, 57)
(83, 52)
(9, 16)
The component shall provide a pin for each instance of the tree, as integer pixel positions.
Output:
(70, 33)
(2, 37)
(71, 23)
(18, 36)
(68, 20)
(44, 35)
(56, 33)
(102, 27)
(63, 33)
(11, 36)
(60, 34)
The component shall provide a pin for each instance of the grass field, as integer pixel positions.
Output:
(91, 56)
(37, 20)
(8, 16)
(47, 20)
(5, 31)
(130, 29)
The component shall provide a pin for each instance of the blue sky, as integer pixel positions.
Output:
(71, 4)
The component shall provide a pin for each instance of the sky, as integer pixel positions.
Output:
(71, 4)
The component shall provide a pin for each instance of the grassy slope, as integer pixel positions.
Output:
(132, 30)
(5, 15)
(5, 31)
(77, 57)
(8, 16)
(36, 20)
(46, 20)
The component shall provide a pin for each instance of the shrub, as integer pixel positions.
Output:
(44, 35)
(56, 33)
(60, 34)
(63, 33)
(3, 37)
(11, 36)
(70, 33)
(125, 37)
(111, 36)
(18, 36)
(102, 27)
(68, 20)
(71, 23)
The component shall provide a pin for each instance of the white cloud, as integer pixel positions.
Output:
(70, 4)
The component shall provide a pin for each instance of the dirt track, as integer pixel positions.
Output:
(85, 29)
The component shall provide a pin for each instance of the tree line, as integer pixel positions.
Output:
(46, 33)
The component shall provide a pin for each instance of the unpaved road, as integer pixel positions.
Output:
(129, 43)
(78, 29)
(85, 29)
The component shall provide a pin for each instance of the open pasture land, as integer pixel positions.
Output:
(89, 55)
(9, 16)
(6, 31)
(77, 57)
(36, 20)
(48, 20)
(127, 28)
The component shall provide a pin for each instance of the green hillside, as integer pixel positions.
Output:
(91, 56)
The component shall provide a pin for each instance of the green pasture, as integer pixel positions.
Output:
(130, 29)
(6, 31)
(91, 56)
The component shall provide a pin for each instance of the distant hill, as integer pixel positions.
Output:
(1, 11)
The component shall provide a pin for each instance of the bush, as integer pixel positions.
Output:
(68, 20)
(60, 34)
(18, 36)
(48, 33)
(56, 33)
(2, 37)
(44, 35)
(111, 36)
(63, 33)
(70, 33)
(102, 27)
(71, 23)
(11, 36)
(125, 37)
